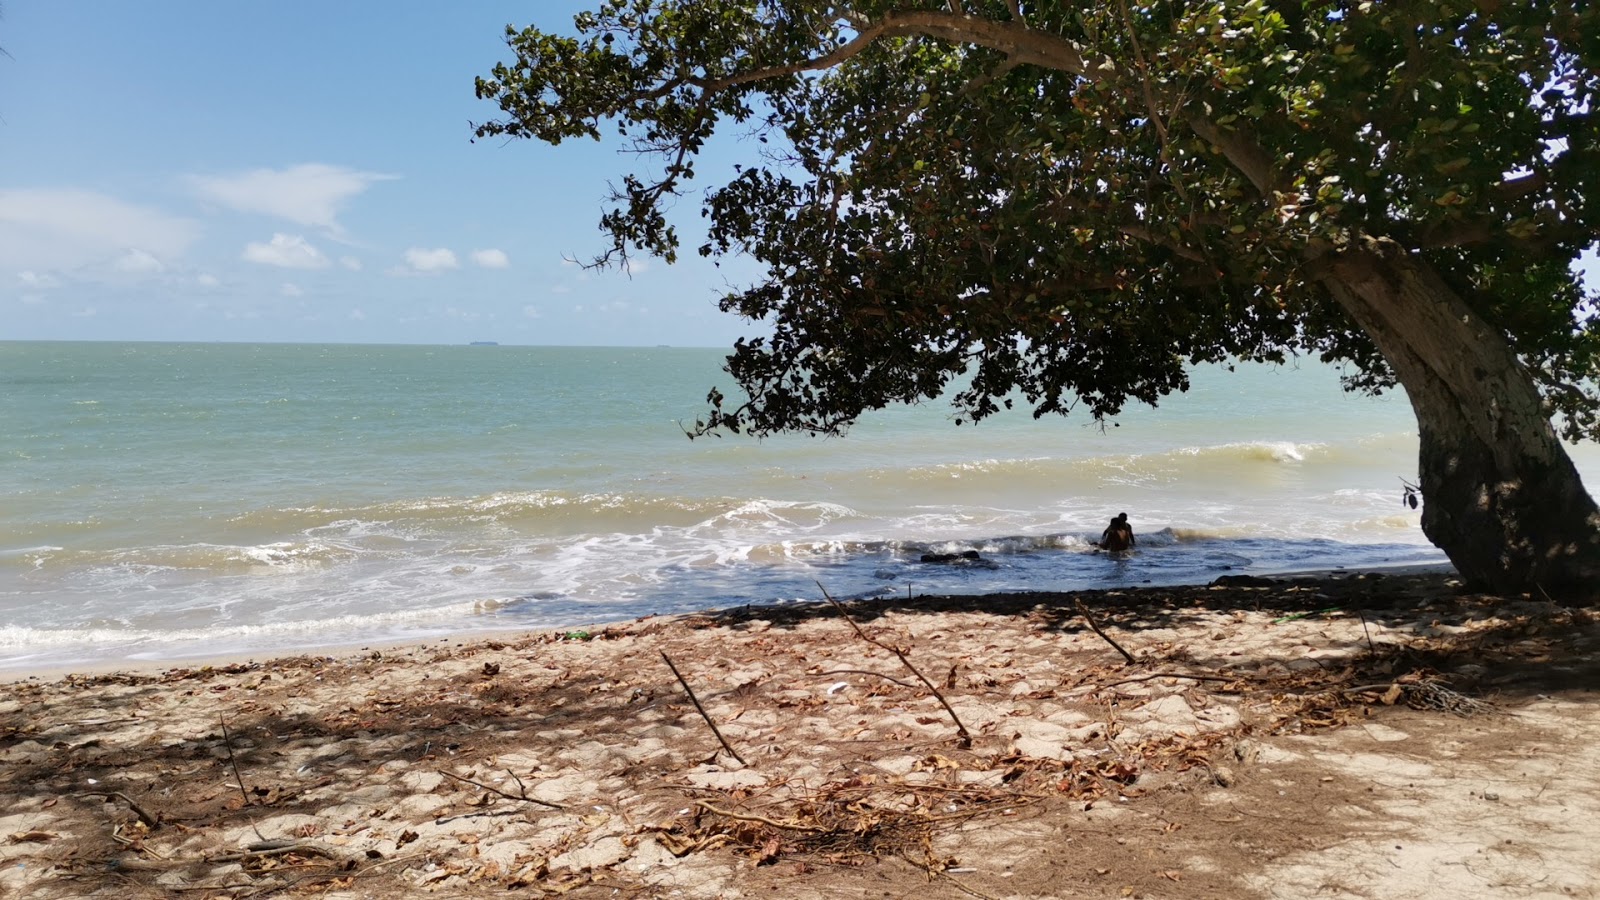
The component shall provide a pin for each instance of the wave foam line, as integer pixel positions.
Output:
(15, 637)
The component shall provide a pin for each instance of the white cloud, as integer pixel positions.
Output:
(532, 312)
(635, 266)
(47, 228)
(351, 263)
(312, 194)
(32, 299)
(421, 261)
(356, 315)
(138, 262)
(88, 312)
(561, 289)
(491, 259)
(207, 281)
(290, 289)
(34, 279)
(288, 251)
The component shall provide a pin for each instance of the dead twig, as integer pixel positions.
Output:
(523, 795)
(961, 730)
(1095, 626)
(1177, 675)
(90, 723)
(228, 740)
(703, 714)
(747, 817)
(345, 872)
(149, 820)
(282, 848)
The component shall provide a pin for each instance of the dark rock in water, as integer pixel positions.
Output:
(950, 557)
(1243, 581)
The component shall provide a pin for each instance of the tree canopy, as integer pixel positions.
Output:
(1071, 203)
(1074, 201)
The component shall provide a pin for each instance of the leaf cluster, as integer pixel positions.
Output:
(1066, 205)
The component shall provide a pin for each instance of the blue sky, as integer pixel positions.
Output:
(303, 171)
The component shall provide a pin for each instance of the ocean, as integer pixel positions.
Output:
(169, 501)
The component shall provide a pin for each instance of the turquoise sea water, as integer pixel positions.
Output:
(169, 500)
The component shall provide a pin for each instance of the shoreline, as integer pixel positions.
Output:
(203, 660)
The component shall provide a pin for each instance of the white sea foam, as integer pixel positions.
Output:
(21, 638)
(1264, 451)
(30, 551)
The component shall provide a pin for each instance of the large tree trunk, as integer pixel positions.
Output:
(1501, 496)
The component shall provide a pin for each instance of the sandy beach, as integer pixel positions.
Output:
(1377, 735)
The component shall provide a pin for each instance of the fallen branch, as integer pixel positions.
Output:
(961, 730)
(523, 795)
(1084, 611)
(696, 701)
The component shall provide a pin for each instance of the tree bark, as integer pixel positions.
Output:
(1501, 496)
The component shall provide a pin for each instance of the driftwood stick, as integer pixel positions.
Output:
(696, 701)
(1084, 611)
(961, 730)
(509, 796)
(245, 795)
(151, 821)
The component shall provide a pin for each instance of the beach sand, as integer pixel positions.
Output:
(1348, 735)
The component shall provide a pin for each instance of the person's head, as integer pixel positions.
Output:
(1122, 517)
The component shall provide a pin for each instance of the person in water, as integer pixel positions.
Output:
(1118, 536)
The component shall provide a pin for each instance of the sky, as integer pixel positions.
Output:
(302, 170)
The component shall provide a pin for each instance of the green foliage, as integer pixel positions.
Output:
(1073, 206)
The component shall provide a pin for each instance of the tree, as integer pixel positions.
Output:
(1070, 203)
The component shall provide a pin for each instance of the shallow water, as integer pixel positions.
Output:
(165, 500)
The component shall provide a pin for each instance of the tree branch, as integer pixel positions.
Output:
(1015, 40)
(1150, 103)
